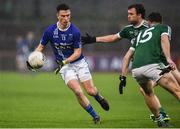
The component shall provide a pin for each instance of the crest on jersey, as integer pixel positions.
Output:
(55, 33)
(136, 32)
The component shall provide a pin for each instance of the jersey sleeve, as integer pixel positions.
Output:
(45, 38)
(77, 39)
(123, 33)
(166, 30)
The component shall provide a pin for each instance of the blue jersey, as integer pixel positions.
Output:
(63, 42)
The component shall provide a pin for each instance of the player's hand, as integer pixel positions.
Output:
(88, 39)
(30, 67)
(165, 70)
(171, 64)
(122, 83)
(60, 65)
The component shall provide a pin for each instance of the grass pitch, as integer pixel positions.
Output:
(42, 100)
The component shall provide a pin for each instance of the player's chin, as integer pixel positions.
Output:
(132, 22)
(65, 23)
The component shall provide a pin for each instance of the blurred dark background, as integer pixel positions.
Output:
(25, 20)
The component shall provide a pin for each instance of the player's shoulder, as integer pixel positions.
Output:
(128, 26)
(75, 28)
(162, 25)
(145, 24)
(51, 27)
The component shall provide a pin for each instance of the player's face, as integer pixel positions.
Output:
(64, 17)
(133, 17)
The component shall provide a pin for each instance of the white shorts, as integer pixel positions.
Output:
(147, 72)
(78, 70)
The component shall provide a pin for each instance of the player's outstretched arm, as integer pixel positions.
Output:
(89, 39)
(108, 38)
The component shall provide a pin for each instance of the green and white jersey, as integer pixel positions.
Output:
(130, 31)
(147, 45)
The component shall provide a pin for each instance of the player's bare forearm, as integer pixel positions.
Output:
(40, 48)
(126, 60)
(74, 56)
(165, 44)
(107, 38)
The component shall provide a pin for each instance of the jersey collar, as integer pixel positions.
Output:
(142, 22)
(62, 29)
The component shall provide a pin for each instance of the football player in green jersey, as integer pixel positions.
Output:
(146, 67)
(136, 15)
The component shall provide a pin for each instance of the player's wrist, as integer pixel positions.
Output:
(65, 62)
(122, 77)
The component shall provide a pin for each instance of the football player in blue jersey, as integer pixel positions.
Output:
(65, 40)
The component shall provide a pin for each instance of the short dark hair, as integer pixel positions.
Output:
(139, 9)
(62, 7)
(155, 17)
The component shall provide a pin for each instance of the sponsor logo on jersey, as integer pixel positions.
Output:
(63, 37)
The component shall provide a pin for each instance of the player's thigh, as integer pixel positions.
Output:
(153, 72)
(147, 87)
(68, 73)
(169, 83)
(145, 83)
(83, 71)
(176, 74)
(74, 86)
(152, 86)
(138, 75)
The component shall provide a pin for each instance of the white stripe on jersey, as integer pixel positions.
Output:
(169, 32)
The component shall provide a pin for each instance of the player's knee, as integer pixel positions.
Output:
(91, 91)
(145, 90)
(78, 93)
(167, 79)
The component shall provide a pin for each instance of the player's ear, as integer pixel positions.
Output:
(139, 15)
(57, 15)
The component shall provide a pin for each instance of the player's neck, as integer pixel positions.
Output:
(139, 23)
(63, 27)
